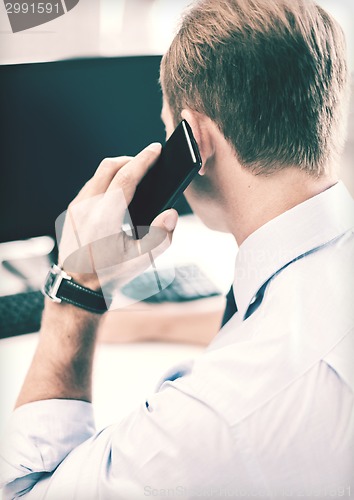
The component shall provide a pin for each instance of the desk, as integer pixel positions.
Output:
(124, 374)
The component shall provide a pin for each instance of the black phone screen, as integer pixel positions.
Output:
(161, 187)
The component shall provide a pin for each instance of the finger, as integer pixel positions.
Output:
(108, 167)
(131, 174)
(166, 220)
(161, 229)
(102, 178)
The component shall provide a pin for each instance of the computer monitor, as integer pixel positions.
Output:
(58, 120)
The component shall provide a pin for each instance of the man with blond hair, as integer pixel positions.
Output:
(267, 410)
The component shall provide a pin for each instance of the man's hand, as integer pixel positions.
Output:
(62, 365)
(93, 247)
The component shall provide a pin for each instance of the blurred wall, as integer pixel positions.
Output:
(92, 28)
(76, 33)
(343, 11)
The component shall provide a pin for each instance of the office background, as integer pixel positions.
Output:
(118, 27)
(36, 100)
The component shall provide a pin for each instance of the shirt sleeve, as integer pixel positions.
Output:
(168, 443)
(38, 438)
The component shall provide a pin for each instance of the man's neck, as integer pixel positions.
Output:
(260, 199)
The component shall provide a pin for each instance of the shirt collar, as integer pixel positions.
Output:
(300, 230)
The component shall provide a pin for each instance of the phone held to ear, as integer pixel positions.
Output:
(161, 187)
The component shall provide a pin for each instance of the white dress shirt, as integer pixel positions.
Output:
(267, 411)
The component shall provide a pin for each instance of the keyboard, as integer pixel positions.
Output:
(181, 284)
(21, 313)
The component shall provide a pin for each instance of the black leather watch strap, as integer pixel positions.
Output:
(59, 287)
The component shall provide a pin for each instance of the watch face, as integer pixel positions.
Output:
(52, 284)
(50, 281)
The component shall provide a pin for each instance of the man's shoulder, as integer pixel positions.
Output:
(317, 289)
(306, 314)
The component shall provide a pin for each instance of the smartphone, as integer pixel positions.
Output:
(166, 180)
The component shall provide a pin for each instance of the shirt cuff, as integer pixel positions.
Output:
(41, 434)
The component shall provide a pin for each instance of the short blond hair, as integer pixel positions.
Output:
(272, 74)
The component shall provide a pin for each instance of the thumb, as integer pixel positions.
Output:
(160, 234)
(167, 220)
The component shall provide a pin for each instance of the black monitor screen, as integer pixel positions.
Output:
(58, 121)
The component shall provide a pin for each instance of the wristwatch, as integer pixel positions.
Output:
(59, 287)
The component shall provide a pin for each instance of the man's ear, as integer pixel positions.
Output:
(200, 125)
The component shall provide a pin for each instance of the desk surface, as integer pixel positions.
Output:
(124, 374)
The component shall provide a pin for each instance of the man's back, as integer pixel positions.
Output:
(267, 410)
